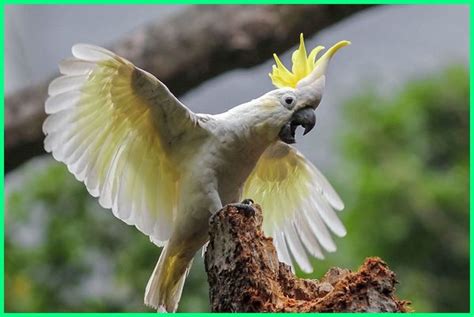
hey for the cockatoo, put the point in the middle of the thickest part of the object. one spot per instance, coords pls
(166, 170)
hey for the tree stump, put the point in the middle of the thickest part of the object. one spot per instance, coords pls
(245, 275)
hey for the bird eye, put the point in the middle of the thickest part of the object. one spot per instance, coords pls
(288, 100)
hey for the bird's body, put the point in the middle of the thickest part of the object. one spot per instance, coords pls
(166, 170)
(220, 162)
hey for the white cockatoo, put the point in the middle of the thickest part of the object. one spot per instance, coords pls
(166, 170)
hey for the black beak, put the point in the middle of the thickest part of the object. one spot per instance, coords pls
(304, 117)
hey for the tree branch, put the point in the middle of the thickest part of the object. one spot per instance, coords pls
(184, 51)
(245, 275)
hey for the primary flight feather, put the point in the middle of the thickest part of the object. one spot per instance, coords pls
(166, 170)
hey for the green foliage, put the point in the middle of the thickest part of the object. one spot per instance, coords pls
(405, 185)
(65, 253)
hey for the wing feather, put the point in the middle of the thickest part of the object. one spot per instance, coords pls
(328, 191)
(296, 248)
(308, 237)
(108, 121)
(62, 101)
(298, 204)
(66, 83)
(74, 66)
(281, 248)
(318, 228)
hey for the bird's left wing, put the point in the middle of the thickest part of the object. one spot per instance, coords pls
(116, 127)
(298, 204)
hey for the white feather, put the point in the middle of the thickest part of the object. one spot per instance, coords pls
(73, 147)
(91, 53)
(327, 190)
(319, 229)
(307, 236)
(281, 248)
(113, 179)
(125, 185)
(92, 181)
(161, 230)
(66, 83)
(298, 199)
(329, 216)
(297, 248)
(74, 66)
(58, 121)
(62, 101)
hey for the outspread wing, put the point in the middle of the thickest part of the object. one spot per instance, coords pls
(115, 127)
(298, 204)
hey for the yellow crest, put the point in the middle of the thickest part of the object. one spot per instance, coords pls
(303, 64)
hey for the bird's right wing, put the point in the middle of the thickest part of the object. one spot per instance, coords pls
(116, 127)
(298, 204)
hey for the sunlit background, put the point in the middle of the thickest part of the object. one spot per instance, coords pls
(392, 137)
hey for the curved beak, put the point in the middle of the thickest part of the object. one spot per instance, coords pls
(304, 117)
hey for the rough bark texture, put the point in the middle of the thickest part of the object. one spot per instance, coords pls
(195, 45)
(245, 275)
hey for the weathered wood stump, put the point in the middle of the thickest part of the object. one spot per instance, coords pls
(245, 275)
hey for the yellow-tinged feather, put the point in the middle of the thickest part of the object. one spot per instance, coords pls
(297, 202)
(273, 177)
(302, 64)
(109, 140)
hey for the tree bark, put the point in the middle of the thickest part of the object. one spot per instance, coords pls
(245, 275)
(184, 51)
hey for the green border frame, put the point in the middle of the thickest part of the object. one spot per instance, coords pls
(140, 2)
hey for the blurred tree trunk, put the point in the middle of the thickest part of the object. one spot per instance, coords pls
(184, 51)
(245, 275)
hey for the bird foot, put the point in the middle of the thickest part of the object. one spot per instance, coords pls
(246, 207)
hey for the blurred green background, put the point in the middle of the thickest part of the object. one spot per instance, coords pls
(392, 137)
(405, 183)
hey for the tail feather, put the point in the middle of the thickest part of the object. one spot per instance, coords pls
(165, 285)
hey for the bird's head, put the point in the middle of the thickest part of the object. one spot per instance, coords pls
(299, 91)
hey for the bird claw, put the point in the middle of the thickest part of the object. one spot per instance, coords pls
(247, 201)
(246, 207)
